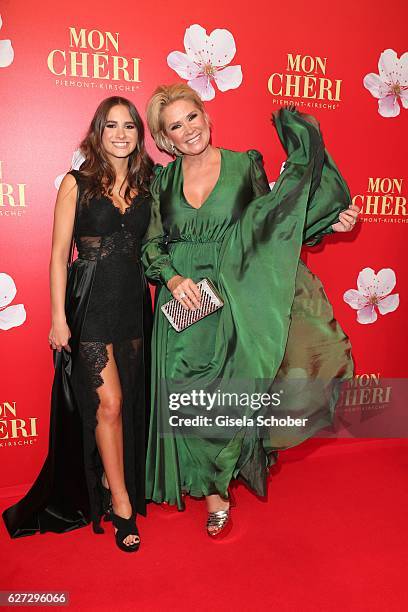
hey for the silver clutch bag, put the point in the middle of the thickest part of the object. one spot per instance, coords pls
(180, 318)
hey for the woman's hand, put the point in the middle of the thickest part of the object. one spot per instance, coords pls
(347, 219)
(185, 291)
(59, 336)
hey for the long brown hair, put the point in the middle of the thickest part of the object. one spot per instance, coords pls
(98, 173)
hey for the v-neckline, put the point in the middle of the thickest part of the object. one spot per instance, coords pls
(212, 190)
(122, 214)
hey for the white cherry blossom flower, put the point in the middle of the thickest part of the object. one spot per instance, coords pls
(206, 60)
(373, 292)
(76, 162)
(6, 50)
(391, 84)
(13, 316)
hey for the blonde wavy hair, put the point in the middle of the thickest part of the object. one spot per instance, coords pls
(162, 97)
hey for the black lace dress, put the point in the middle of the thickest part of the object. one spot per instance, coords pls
(107, 303)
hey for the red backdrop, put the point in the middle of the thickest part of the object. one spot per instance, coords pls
(45, 116)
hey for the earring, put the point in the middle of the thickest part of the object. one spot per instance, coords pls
(173, 149)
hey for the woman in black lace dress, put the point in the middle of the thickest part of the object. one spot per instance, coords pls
(101, 315)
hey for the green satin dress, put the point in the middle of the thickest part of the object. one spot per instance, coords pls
(276, 318)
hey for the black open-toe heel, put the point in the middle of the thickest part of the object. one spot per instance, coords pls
(106, 504)
(125, 528)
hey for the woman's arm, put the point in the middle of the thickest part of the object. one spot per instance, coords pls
(330, 208)
(259, 180)
(64, 216)
(156, 258)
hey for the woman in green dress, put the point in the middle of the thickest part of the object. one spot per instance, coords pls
(215, 217)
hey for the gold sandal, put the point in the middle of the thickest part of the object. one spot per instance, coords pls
(219, 523)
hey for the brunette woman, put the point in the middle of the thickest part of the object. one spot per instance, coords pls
(100, 326)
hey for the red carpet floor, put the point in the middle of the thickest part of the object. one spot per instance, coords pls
(333, 535)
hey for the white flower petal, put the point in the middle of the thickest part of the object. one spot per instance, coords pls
(355, 299)
(222, 47)
(8, 289)
(393, 69)
(387, 65)
(13, 316)
(228, 78)
(365, 281)
(202, 85)
(375, 85)
(185, 68)
(58, 180)
(367, 315)
(403, 60)
(389, 107)
(77, 160)
(196, 44)
(404, 98)
(6, 53)
(385, 282)
(388, 304)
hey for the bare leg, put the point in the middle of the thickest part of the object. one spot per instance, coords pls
(109, 439)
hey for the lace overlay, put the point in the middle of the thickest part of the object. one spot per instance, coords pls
(119, 243)
(95, 359)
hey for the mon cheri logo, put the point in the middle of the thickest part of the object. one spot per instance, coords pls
(364, 392)
(383, 202)
(305, 82)
(12, 197)
(89, 58)
(15, 431)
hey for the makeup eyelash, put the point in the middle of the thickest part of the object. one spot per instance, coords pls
(129, 126)
(193, 116)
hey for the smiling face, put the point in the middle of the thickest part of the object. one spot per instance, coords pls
(186, 127)
(119, 137)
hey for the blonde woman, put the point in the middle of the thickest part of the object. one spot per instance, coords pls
(214, 217)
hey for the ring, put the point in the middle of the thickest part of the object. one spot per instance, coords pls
(182, 295)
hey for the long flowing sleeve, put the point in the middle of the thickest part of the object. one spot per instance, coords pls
(155, 256)
(329, 194)
(329, 199)
(264, 246)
